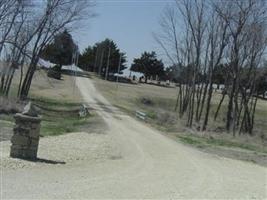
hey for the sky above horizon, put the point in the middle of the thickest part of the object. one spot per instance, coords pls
(129, 23)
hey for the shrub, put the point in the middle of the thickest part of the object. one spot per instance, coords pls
(165, 118)
(147, 101)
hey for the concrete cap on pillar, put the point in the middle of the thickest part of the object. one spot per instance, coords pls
(30, 110)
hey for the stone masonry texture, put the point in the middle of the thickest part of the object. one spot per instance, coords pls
(26, 135)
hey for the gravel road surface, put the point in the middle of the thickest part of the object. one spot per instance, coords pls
(131, 160)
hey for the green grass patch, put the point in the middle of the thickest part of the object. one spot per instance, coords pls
(63, 125)
(7, 118)
(190, 140)
(5, 123)
(203, 142)
(52, 103)
(152, 115)
(59, 117)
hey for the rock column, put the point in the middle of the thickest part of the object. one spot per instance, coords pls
(26, 134)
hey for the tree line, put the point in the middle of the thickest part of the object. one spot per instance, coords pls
(106, 58)
(26, 28)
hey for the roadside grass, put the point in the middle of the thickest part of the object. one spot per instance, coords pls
(7, 119)
(51, 104)
(59, 117)
(6, 122)
(160, 114)
(202, 142)
(57, 101)
(62, 126)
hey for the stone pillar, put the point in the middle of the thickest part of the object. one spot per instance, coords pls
(26, 134)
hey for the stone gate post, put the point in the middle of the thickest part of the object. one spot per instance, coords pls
(26, 135)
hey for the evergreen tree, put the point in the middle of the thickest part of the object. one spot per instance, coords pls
(149, 65)
(96, 58)
(60, 51)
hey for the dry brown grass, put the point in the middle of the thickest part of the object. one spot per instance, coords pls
(45, 87)
(10, 105)
(160, 111)
(58, 101)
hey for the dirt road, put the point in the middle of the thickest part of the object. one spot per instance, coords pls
(142, 163)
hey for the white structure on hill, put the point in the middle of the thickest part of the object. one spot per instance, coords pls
(47, 65)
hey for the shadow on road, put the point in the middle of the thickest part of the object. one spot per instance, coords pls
(46, 161)
(53, 162)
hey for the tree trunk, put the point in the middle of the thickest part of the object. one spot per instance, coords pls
(28, 80)
(20, 80)
(203, 101)
(208, 106)
(2, 84)
(229, 117)
(177, 101)
(9, 82)
(145, 79)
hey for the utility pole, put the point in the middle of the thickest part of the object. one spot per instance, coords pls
(95, 60)
(75, 61)
(101, 63)
(77, 57)
(107, 68)
(119, 67)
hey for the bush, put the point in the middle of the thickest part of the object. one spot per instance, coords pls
(54, 72)
(165, 118)
(147, 101)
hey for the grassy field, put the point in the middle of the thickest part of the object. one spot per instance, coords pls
(159, 103)
(58, 102)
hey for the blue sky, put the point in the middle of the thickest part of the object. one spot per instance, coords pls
(129, 23)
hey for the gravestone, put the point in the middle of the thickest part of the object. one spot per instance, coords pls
(25, 139)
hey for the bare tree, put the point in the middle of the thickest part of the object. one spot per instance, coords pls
(9, 10)
(185, 48)
(245, 21)
(218, 37)
(56, 16)
(211, 34)
(12, 23)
